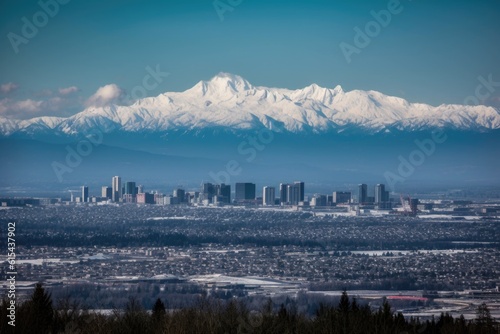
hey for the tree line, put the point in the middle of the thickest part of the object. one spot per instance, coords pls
(40, 315)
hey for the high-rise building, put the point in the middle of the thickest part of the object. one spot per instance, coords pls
(362, 193)
(268, 195)
(319, 200)
(341, 197)
(130, 188)
(283, 193)
(180, 194)
(107, 192)
(145, 198)
(223, 193)
(207, 191)
(300, 186)
(140, 189)
(117, 188)
(379, 193)
(85, 194)
(329, 200)
(245, 191)
(293, 194)
(192, 197)
(414, 205)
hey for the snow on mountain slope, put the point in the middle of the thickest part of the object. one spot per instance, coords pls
(232, 102)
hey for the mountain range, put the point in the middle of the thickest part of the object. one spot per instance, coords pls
(230, 102)
(319, 135)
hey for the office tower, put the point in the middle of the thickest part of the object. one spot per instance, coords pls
(362, 193)
(283, 193)
(140, 189)
(414, 205)
(293, 194)
(245, 191)
(192, 197)
(268, 195)
(160, 199)
(171, 200)
(180, 194)
(207, 191)
(300, 186)
(107, 192)
(130, 188)
(380, 193)
(145, 198)
(223, 192)
(208, 188)
(341, 197)
(85, 194)
(319, 200)
(117, 188)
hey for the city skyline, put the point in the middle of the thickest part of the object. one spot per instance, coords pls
(290, 194)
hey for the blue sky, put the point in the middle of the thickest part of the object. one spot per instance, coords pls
(430, 51)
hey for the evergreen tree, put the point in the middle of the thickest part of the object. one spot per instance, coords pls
(158, 309)
(484, 320)
(38, 312)
(354, 305)
(158, 316)
(344, 304)
(344, 308)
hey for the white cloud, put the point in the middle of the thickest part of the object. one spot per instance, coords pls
(68, 90)
(8, 87)
(32, 108)
(105, 95)
(4, 106)
(9, 107)
(29, 105)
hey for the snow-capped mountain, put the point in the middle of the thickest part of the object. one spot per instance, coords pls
(231, 102)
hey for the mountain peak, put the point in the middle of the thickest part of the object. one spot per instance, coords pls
(225, 80)
(222, 85)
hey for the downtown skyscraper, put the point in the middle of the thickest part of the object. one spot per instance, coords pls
(117, 188)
